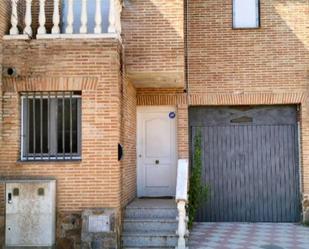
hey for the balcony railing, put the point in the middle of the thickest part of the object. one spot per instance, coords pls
(77, 18)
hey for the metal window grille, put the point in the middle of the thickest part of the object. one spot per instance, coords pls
(51, 126)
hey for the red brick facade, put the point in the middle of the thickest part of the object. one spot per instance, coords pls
(93, 67)
(266, 66)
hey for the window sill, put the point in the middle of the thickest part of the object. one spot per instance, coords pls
(253, 28)
(73, 161)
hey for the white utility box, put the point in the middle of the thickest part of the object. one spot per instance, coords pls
(30, 213)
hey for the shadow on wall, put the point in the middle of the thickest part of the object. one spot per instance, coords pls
(294, 22)
(154, 40)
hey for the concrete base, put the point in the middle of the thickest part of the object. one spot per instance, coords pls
(69, 231)
(99, 229)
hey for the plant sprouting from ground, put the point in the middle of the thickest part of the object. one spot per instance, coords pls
(198, 192)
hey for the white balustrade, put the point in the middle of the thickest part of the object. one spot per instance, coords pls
(28, 19)
(113, 25)
(83, 18)
(14, 18)
(70, 18)
(98, 18)
(181, 200)
(42, 18)
(56, 18)
(118, 16)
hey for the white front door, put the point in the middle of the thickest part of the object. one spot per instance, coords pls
(156, 151)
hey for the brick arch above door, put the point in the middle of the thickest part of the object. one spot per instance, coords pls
(254, 98)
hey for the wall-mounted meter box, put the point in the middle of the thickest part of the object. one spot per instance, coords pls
(30, 213)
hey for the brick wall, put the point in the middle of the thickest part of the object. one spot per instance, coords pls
(154, 43)
(91, 66)
(273, 58)
(128, 140)
(83, 184)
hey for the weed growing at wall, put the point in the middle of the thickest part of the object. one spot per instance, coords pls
(198, 192)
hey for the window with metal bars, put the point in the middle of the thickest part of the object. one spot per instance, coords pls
(51, 126)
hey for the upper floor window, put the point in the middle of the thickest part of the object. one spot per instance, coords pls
(246, 13)
(51, 126)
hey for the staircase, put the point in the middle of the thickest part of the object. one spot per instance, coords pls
(150, 223)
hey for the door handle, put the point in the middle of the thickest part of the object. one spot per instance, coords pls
(10, 198)
(157, 162)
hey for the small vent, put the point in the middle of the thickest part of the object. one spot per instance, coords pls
(243, 119)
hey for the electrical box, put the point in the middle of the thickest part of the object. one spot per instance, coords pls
(30, 213)
(99, 223)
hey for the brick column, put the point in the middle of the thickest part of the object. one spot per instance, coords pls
(183, 131)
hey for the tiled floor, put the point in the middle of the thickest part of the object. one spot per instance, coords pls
(249, 236)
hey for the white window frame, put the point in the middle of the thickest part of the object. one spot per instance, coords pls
(257, 23)
(59, 156)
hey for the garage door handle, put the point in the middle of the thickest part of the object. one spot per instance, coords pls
(157, 162)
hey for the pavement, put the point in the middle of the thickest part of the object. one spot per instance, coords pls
(249, 236)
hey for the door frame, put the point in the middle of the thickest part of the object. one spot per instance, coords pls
(148, 109)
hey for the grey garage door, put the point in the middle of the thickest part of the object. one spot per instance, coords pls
(250, 162)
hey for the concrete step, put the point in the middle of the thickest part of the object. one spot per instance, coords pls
(166, 213)
(148, 239)
(149, 247)
(158, 224)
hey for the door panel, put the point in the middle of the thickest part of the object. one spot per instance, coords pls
(250, 164)
(156, 151)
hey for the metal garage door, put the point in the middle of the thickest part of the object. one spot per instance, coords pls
(250, 161)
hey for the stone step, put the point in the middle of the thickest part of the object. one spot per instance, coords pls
(157, 224)
(166, 213)
(149, 247)
(148, 239)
